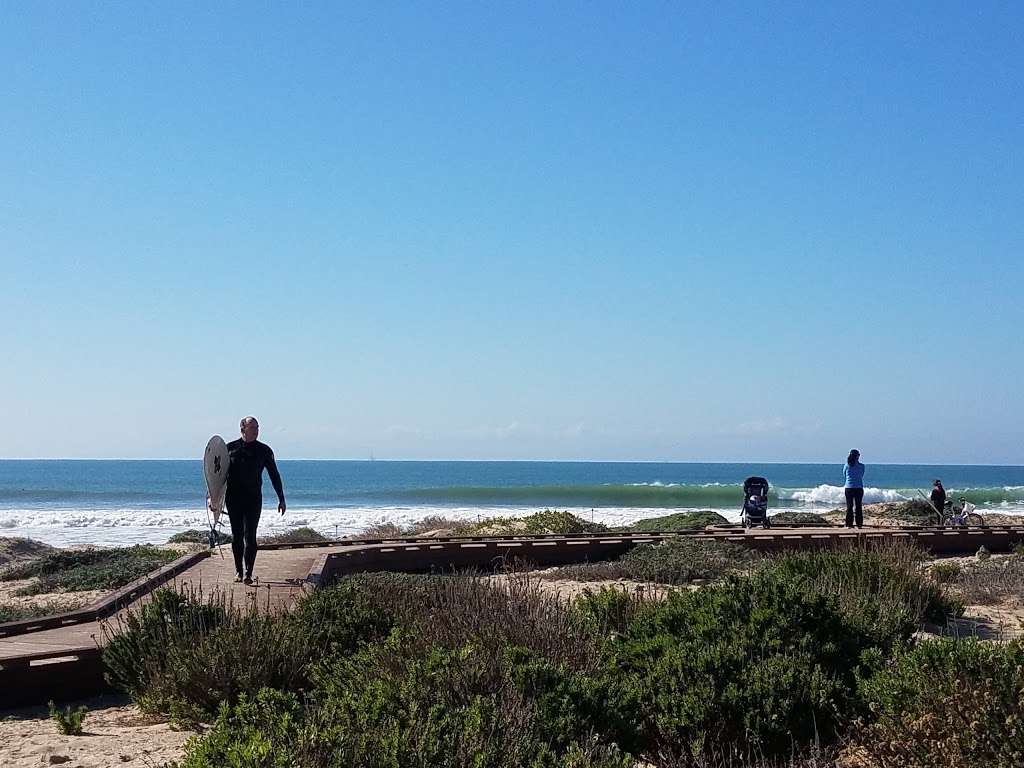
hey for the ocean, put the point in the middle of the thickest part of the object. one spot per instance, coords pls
(129, 502)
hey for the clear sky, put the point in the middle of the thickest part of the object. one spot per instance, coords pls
(637, 231)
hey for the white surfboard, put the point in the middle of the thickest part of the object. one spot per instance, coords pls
(215, 467)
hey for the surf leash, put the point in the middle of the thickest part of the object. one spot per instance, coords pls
(212, 537)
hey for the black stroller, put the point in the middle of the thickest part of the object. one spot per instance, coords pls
(755, 503)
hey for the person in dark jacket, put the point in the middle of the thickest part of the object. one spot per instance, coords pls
(247, 458)
(938, 498)
(853, 475)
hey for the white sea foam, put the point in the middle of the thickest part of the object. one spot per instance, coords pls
(122, 527)
(836, 495)
(126, 526)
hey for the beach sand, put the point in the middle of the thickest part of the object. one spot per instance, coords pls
(115, 733)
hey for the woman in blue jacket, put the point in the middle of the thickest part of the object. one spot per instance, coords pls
(853, 473)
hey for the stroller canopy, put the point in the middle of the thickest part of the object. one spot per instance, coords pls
(756, 485)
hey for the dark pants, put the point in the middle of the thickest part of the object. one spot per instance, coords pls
(244, 517)
(854, 497)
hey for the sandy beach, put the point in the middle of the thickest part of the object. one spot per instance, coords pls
(115, 733)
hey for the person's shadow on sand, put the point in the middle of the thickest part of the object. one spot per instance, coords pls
(987, 625)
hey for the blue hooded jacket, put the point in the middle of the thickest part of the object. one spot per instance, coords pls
(854, 475)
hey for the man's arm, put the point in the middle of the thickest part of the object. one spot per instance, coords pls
(275, 480)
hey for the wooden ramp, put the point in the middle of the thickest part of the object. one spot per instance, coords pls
(64, 661)
(286, 572)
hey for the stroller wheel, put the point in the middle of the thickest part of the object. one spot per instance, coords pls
(767, 523)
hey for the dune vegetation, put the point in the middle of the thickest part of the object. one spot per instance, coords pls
(803, 660)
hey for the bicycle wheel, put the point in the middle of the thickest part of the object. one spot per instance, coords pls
(973, 518)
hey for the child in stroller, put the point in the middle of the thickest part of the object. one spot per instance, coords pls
(755, 503)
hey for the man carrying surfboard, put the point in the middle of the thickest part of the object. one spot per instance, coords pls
(247, 458)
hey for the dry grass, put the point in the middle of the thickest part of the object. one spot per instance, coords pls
(992, 581)
(384, 529)
(516, 611)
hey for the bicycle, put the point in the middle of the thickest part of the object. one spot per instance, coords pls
(955, 517)
(960, 516)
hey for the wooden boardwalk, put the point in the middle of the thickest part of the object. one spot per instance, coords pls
(285, 572)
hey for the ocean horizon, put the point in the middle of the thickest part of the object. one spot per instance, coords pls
(115, 502)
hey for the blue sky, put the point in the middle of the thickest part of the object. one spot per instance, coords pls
(548, 231)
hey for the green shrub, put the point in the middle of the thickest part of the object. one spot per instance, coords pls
(608, 609)
(946, 704)
(17, 612)
(555, 521)
(382, 529)
(944, 573)
(547, 521)
(195, 536)
(295, 536)
(438, 522)
(800, 518)
(340, 617)
(69, 722)
(675, 561)
(260, 731)
(397, 705)
(678, 561)
(677, 522)
(451, 611)
(393, 704)
(79, 570)
(913, 511)
(882, 591)
(752, 666)
(184, 654)
(141, 656)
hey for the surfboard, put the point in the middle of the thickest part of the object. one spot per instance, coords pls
(215, 467)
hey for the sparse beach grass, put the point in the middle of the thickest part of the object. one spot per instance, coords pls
(77, 570)
(989, 581)
(17, 611)
(15, 549)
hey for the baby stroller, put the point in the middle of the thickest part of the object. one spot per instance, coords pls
(755, 503)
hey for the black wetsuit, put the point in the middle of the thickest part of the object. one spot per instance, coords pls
(246, 462)
(938, 499)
